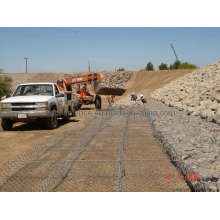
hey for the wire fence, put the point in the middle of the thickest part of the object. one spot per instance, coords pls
(107, 155)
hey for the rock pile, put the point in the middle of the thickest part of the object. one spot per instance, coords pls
(198, 93)
(114, 83)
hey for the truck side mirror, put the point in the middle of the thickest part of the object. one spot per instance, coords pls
(7, 96)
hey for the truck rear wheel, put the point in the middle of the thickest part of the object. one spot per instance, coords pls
(7, 124)
(74, 112)
(98, 102)
(67, 116)
(79, 106)
(52, 122)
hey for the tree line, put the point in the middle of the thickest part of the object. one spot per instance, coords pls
(176, 65)
(163, 66)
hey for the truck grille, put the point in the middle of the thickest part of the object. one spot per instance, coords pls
(30, 106)
(23, 104)
(22, 109)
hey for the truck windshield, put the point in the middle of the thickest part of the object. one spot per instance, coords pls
(28, 90)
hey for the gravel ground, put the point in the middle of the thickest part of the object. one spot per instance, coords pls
(191, 142)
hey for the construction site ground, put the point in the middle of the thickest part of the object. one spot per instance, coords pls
(113, 150)
(109, 151)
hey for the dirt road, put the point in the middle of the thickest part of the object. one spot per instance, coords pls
(22, 136)
(112, 151)
(14, 142)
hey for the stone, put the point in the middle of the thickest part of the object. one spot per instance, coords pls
(199, 89)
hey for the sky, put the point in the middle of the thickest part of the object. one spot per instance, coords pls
(69, 49)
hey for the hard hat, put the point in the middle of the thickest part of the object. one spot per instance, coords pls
(141, 95)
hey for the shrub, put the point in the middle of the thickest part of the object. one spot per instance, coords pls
(5, 86)
(187, 66)
(120, 69)
(178, 65)
(149, 66)
(163, 66)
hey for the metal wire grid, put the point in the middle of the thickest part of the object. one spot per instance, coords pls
(74, 174)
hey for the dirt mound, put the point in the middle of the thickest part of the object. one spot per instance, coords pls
(19, 78)
(198, 93)
(112, 79)
(146, 82)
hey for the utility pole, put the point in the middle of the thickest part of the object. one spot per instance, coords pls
(174, 52)
(26, 59)
(89, 66)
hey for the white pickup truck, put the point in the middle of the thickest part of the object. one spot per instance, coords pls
(36, 101)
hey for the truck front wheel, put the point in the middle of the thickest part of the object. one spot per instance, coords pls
(52, 122)
(98, 102)
(7, 124)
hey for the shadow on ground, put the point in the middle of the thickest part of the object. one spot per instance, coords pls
(35, 126)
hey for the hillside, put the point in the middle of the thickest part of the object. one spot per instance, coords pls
(146, 82)
(198, 93)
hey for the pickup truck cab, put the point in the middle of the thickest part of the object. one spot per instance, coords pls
(36, 101)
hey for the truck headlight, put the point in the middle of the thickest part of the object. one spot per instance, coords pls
(41, 106)
(5, 106)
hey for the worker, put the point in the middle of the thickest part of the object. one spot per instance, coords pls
(110, 99)
(113, 98)
(143, 99)
(133, 97)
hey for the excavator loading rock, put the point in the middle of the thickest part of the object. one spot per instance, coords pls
(88, 88)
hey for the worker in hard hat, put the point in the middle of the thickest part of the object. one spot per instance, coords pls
(143, 99)
(133, 97)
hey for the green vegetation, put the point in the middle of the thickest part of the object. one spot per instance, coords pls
(5, 86)
(187, 66)
(178, 65)
(149, 66)
(175, 65)
(163, 66)
(120, 69)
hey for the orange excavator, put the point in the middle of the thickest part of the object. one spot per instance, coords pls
(88, 89)
(84, 87)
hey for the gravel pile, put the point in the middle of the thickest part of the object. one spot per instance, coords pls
(116, 80)
(191, 142)
(114, 83)
(198, 93)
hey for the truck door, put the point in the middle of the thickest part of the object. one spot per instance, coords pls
(60, 101)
